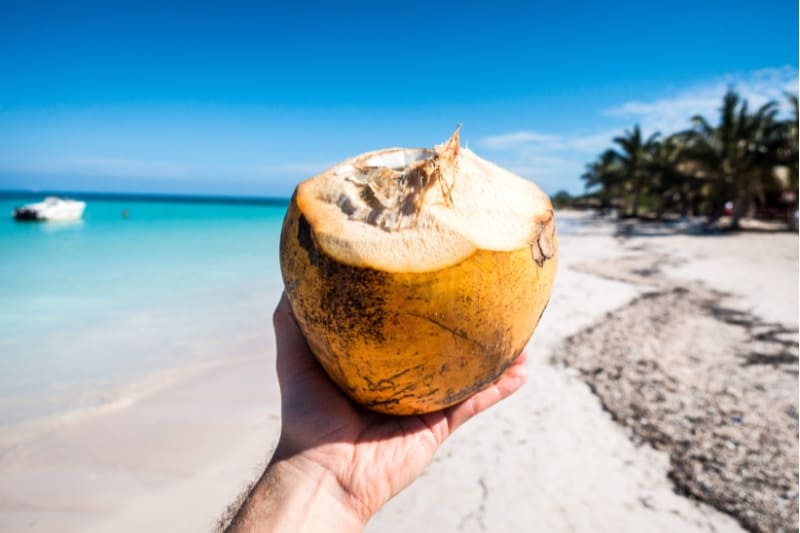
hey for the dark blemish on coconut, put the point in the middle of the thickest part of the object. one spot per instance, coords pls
(305, 239)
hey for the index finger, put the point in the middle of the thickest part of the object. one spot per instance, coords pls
(507, 384)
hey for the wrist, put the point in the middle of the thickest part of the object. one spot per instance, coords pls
(296, 494)
(317, 492)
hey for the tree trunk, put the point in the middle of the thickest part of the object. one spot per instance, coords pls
(635, 207)
(661, 207)
(740, 208)
(685, 204)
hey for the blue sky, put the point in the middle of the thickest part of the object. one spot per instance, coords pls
(237, 98)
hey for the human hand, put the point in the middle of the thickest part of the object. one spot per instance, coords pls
(352, 459)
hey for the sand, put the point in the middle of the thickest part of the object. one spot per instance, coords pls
(712, 385)
(550, 458)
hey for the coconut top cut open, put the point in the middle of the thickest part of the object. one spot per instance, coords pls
(421, 210)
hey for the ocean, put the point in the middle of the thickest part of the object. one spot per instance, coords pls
(138, 291)
(141, 291)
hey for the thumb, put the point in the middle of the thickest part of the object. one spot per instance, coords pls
(292, 354)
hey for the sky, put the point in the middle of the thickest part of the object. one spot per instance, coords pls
(240, 98)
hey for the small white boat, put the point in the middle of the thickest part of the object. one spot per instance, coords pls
(51, 208)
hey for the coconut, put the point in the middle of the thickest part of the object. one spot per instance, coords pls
(417, 275)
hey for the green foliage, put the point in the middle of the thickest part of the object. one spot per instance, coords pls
(562, 199)
(697, 171)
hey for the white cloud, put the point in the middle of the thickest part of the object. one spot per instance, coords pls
(518, 139)
(532, 142)
(553, 161)
(551, 173)
(595, 142)
(673, 112)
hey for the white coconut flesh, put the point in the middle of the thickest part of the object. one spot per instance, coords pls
(420, 210)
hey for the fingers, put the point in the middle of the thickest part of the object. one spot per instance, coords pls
(521, 359)
(509, 382)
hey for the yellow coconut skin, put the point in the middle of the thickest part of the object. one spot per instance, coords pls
(411, 343)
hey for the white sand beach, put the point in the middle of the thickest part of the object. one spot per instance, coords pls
(550, 458)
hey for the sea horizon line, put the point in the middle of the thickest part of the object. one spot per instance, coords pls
(27, 194)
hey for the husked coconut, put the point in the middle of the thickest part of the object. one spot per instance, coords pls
(417, 275)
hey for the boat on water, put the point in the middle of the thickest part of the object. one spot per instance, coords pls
(51, 209)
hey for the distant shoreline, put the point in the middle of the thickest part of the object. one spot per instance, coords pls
(145, 197)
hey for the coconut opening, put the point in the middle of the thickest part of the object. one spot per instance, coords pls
(389, 190)
(417, 210)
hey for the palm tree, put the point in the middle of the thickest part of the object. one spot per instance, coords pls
(739, 154)
(634, 160)
(790, 141)
(604, 174)
(674, 187)
(738, 160)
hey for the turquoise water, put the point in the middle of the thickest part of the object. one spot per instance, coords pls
(89, 307)
(92, 308)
